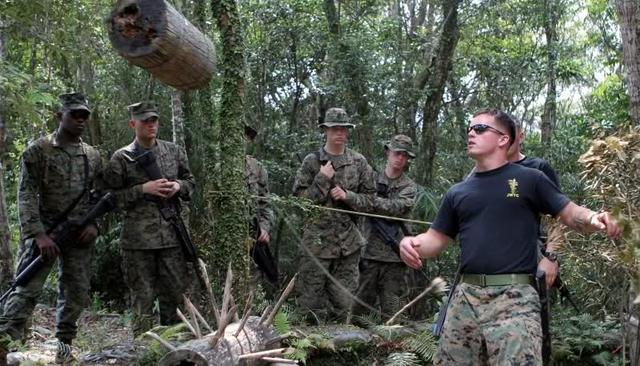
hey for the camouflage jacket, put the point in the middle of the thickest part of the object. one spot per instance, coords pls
(399, 201)
(143, 226)
(52, 177)
(256, 178)
(334, 234)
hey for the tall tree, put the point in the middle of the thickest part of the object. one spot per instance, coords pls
(438, 73)
(6, 259)
(551, 8)
(628, 11)
(232, 229)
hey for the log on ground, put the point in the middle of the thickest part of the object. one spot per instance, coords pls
(153, 35)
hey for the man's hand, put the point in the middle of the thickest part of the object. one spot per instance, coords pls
(327, 170)
(604, 222)
(263, 238)
(338, 193)
(550, 269)
(175, 188)
(88, 234)
(48, 248)
(408, 252)
(159, 187)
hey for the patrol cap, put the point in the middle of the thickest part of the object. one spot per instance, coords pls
(250, 132)
(143, 110)
(401, 143)
(74, 101)
(336, 117)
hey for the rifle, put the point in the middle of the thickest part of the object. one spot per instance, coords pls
(261, 255)
(170, 212)
(442, 313)
(60, 235)
(544, 316)
(564, 292)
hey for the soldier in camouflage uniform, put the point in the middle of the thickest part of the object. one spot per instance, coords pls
(494, 314)
(338, 177)
(153, 262)
(382, 273)
(57, 173)
(257, 182)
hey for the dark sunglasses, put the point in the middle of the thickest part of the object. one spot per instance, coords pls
(480, 128)
(79, 114)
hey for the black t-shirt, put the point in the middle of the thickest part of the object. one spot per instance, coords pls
(496, 215)
(541, 165)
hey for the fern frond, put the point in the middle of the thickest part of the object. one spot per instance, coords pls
(281, 322)
(402, 359)
(389, 332)
(423, 344)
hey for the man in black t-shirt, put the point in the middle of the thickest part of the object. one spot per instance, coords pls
(494, 315)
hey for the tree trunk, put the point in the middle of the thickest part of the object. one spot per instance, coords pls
(549, 116)
(6, 258)
(177, 118)
(438, 74)
(152, 34)
(232, 234)
(628, 11)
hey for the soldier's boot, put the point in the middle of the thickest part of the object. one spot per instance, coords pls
(64, 355)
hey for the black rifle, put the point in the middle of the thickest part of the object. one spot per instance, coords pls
(565, 294)
(170, 212)
(262, 256)
(61, 235)
(541, 285)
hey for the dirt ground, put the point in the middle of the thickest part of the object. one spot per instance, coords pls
(103, 339)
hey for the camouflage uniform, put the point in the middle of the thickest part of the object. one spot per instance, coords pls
(332, 239)
(484, 320)
(153, 262)
(382, 272)
(52, 177)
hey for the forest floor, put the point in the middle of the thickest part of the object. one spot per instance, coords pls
(103, 339)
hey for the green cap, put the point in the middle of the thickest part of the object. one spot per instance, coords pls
(74, 101)
(401, 143)
(143, 110)
(336, 117)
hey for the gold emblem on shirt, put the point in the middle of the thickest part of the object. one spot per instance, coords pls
(513, 189)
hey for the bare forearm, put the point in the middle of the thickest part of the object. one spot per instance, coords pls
(578, 218)
(431, 244)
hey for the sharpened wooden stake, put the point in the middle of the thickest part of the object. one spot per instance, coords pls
(166, 344)
(285, 361)
(246, 313)
(265, 313)
(190, 305)
(186, 321)
(192, 313)
(214, 306)
(226, 296)
(270, 352)
(436, 285)
(281, 300)
(221, 327)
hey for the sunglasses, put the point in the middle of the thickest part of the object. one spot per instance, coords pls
(480, 128)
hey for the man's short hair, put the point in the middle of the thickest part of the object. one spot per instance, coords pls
(504, 120)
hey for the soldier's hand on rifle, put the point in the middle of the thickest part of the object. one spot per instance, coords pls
(338, 193)
(264, 237)
(550, 269)
(327, 170)
(159, 187)
(47, 246)
(408, 252)
(88, 234)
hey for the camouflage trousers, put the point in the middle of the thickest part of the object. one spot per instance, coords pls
(320, 295)
(384, 282)
(494, 325)
(74, 278)
(151, 274)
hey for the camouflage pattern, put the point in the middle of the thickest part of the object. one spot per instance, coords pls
(143, 226)
(257, 181)
(52, 176)
(143, 110)
(494, 325)
(161, 272)
(74, 101)
(323, 299)
(401, 197)
(336, 117)
(332, 236)
(382, 283)
(152, 258)
(401, 143)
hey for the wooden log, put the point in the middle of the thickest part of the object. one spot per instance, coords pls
(227, 351)
(153, 35)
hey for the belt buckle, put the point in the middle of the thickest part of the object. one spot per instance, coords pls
(483, 280)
